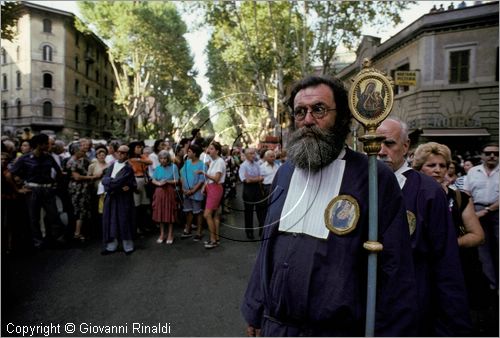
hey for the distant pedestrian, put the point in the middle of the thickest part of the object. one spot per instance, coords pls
(119, 212)
(268, 170)
(215, 177)
(35, 169)
(165, 178)
(140, 163)
(192, 184)
(253, 195)
(483, 184)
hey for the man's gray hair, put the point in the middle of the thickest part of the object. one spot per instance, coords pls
(404, 129)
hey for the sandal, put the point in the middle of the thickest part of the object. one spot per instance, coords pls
(211, 245)
(186, 234)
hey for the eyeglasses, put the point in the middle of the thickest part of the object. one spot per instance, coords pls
(491, 153)
(318, 111)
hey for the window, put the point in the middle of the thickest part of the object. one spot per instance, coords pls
(77, 61)
(4, 110)
(496, 70)
(18, 79)
(77, 112)
(18, 53)
(47, 109)
(47, 53)
(4, 56)
(77, 87)
(400, 89)
(47, 26)
(18, 106)
(4, 82)
(106, 78)
(97, 93)
(87, 90)
(459, 66)
(77, 39)
(47, 80)
(97, 76)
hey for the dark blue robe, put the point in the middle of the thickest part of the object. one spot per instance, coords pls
(442, 297)
(303, 285)
(119, 211)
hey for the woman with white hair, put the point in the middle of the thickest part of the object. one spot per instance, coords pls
(165, 178)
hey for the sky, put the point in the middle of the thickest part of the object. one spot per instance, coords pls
(198, 39)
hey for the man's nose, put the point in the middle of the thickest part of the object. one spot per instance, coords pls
(309, 119)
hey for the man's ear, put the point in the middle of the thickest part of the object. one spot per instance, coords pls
(406, 147)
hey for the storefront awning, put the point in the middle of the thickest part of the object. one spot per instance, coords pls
(455, 132)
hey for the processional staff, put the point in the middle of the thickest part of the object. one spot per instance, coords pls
(370, 100)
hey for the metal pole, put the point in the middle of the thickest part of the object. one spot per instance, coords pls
(371, 297)
(370, 118)
(371, 146)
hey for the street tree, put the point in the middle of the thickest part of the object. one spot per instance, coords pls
(11, 11)
(150, 58)
(264, 46)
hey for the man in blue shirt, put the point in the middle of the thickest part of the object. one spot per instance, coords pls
(35, 169)
(253, 196)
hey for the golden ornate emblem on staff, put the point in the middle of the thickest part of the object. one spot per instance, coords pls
(370, 100)
(370, 96)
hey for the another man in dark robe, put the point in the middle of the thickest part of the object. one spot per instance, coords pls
(310, 277)
(442, 298)
(118, 217)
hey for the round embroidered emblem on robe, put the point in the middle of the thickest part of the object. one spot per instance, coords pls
(342, 214)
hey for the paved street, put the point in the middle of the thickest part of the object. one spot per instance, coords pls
(197, 291)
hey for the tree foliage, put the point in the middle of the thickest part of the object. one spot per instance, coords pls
(262, 47)
(150, 59)
(11, 12)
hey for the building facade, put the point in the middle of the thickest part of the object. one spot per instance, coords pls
(450, 58)
(55, 78)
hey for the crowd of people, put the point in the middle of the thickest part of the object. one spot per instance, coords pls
(438, 270)
(119, 191)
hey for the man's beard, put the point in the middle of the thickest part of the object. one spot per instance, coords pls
(312, 148)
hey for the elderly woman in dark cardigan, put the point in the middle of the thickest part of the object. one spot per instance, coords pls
(118, 217)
